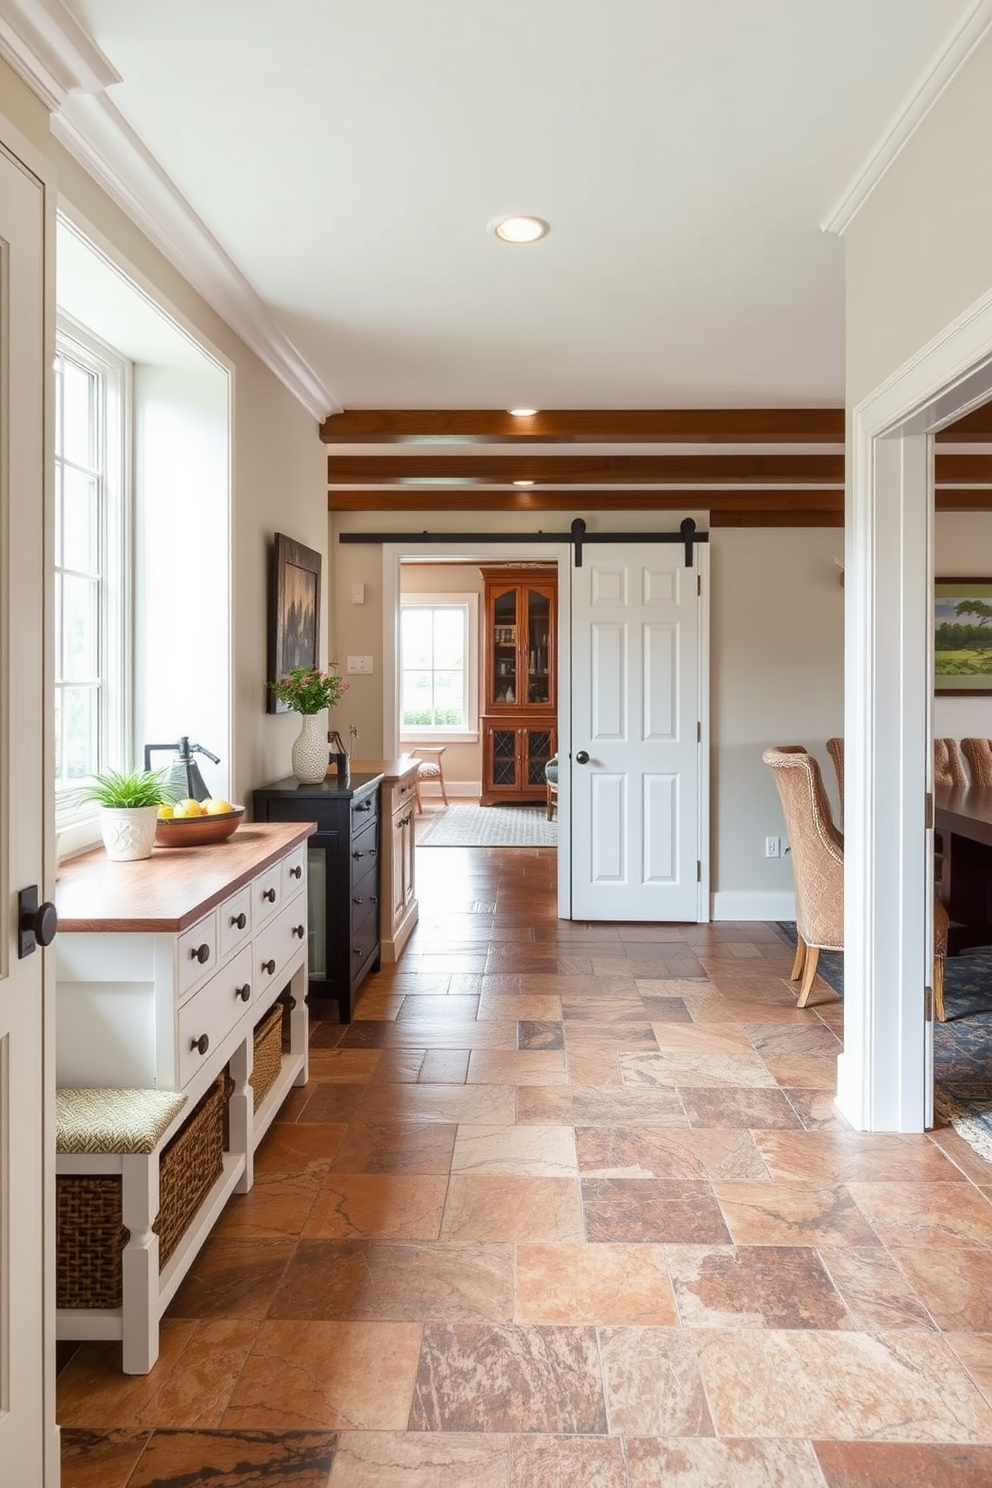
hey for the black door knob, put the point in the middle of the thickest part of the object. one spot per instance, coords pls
(36, 923)
(582, 758)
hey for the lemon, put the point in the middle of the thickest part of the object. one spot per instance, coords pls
(165, 812)
(186, 807)
(216, 806)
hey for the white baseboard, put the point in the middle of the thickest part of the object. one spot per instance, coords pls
(734, 904)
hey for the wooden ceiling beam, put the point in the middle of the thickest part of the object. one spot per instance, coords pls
(974, 428)
(795, 518)
(584, 425)
(577, 502)
(348, 470)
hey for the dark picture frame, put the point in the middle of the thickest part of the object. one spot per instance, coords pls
(294, 612)
(962, 637)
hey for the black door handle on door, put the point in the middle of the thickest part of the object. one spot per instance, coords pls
(582, 758)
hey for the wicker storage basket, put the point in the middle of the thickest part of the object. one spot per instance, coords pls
(90, 1238)
(268, 1053)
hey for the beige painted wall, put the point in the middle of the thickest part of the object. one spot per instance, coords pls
(24, 109)
(279, 477)
(462, 762)
(919, 251)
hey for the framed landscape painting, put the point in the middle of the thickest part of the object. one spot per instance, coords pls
(294, 611)
(962, 641)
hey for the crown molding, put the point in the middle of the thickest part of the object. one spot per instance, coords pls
(46, 46)
(96, 134)
(61, 63)
(942, 71)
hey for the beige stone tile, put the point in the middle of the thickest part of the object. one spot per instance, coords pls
(517, 1067)
(707, 1463)
(829, 1386)
(520, 1006)
(926, 1216)
(653, 1383)
(426, 1459)
(602, 1284)
(841, 1157)
(954, 1284)
(523, 1151)
(395, 1206)
(792, 1214)
(564, 1461)
(647, 1152)
(510, 1208)
(347, 1374)
(488, 1104)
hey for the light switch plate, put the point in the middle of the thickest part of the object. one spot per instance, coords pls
(358, 593)
(360, 665)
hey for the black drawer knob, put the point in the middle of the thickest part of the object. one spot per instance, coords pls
(357, 901)
(239, 920)
(373, 898)
(365, 806)
(296, 872)
(269, 966)
(200, 953)
(201, 1044)
(299, 930)
(270, 895)
(244, 993)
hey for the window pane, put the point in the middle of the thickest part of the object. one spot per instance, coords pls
(449, 699)
(79, 390)
(79, 743)
(416, 636)
(418, 700)
(449, 638)
(58, 408)
(80, 522)
(79, 629)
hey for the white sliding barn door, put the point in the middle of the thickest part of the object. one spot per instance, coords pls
(27, 1435)
(637, 802)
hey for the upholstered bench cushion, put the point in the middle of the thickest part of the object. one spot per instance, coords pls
(429, 770)
(124, 1121)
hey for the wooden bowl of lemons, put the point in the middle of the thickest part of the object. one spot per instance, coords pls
(192, 823)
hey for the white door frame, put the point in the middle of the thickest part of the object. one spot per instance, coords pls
(885, 1074)
(393, 555)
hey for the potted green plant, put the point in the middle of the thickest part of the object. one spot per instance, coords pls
(309, 691)
(129, 800)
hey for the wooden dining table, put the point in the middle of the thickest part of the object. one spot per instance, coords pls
(963, 821)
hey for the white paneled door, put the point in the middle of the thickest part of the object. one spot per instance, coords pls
(26, 1434)
(637, 776)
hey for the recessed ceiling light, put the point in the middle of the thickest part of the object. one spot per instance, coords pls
(521, 229)
(522, 412)
(523, 483)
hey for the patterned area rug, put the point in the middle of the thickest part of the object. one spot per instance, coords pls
(490, 826)
(962, 1046)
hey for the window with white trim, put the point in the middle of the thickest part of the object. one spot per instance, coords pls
(91, 577)
(439, 666)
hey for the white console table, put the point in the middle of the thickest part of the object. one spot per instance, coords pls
(163, 969)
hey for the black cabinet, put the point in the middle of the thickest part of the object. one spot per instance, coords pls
(343, 879)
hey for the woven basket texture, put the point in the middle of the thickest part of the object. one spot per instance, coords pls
(268, 1053)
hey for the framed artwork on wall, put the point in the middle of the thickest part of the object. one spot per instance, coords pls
(294, 612)
(962, 641)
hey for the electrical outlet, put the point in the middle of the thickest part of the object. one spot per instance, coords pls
(773, 847)
(360, 665)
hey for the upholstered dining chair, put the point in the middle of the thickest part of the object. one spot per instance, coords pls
(948, 761)
(429, 769)
(978, 753)
(835, 749)
(817, 849)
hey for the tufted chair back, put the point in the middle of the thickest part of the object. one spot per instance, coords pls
(948, 763)
(835, 749)
(816, 845)
(978, 753)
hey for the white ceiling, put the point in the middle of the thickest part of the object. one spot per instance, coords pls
(349, 157)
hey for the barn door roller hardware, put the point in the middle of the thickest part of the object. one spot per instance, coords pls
(576, 535)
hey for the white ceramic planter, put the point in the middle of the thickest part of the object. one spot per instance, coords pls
(310, 754)
(128, 831)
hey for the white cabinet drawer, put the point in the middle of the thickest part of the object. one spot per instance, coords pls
(267, 893)
(294, 873)
(278, 943)
(196, 953)
(235, 921)
(208, 1017)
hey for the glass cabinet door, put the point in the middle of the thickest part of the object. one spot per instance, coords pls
(317, 913)
(504, 680)
(539, 746)
(538, 642)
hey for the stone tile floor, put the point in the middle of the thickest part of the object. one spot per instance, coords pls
(569, 1203)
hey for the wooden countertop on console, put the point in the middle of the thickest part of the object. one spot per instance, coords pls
(391, 770)
(175, 886)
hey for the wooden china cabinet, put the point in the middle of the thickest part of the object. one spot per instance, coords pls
(519, 655)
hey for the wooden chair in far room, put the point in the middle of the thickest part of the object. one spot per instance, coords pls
(551, 781)
(948, 769)
(817, 849)
(978, 753)
(835, 749)
(429, 769)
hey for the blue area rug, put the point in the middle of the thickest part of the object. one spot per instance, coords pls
(962, 1046)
